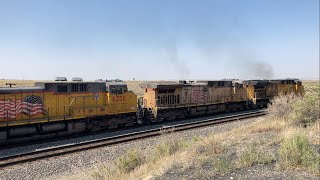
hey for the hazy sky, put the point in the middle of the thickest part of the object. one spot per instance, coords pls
(159, 39)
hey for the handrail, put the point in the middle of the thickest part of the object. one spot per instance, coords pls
(72, 102)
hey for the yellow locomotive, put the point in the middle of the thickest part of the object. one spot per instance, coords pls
(57, 108)
(65, 107)
(261, 91)
(166, 101)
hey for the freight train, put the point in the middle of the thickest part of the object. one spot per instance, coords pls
(61, 107)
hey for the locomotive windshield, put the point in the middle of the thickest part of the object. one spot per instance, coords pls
(117, 87)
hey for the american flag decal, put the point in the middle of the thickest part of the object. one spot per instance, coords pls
(31, 105)
(199, 95)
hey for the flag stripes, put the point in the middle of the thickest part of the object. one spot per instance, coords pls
(31, 105)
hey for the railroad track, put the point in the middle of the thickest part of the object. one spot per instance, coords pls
(87, 145)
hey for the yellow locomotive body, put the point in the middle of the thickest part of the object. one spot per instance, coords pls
(261, 91)
(165, 101)
(192, 94)
(190, 98)
(58, 101)
(67, 106)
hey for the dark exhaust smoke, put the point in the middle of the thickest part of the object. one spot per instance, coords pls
(171, 51)
(262, 70)
(249, 64)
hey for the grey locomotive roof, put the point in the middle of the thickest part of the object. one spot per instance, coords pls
(222, 80)
(44, 83)
(182, 83)
(68, 82)
(210, 81)
(285, 79)
(19, 89)
(115, 83)
(162, 85)
(271, 81)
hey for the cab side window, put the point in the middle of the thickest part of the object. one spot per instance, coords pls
(117, 89)
(74, 87)
(83, 87)
(62, 89)
(221, 83)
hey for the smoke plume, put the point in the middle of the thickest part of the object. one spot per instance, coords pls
(249, 65)
(171, 51)
(262, 70)
(257, 70)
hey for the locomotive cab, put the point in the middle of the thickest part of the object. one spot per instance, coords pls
(257, 91)
(119, 99)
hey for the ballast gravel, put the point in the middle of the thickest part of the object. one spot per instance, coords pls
(53, 168)
(83, 138)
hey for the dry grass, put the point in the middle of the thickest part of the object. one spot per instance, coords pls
(168, 147)
(282, 106)
(296, 151)
(282, 140)
(149, 170)
(268, 124)
(222, 165)
(18, 83)
(253, 155)
(313, 133)
(130, 160)
(208, 151)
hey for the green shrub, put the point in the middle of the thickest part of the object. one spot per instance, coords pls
(165, 149)
(170, 147)
(282, 106)
(130, 160)
(252, 156)
(297, 152)
(196, 138)
(202, 161)
(221, 165)
(299, 109)
(210, 148)
(307, 109)
(104, 172)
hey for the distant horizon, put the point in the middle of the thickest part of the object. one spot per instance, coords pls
(69, 79)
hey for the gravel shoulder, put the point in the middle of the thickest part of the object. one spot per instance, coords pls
(82, 138)
(55, 168)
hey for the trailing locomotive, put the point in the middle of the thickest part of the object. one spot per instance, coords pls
(167, 101)
(57, 108)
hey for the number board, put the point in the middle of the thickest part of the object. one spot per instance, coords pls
(118, 99)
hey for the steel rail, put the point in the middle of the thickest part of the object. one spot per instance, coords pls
(87, 145)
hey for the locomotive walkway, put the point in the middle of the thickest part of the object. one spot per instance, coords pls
(78, 147)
